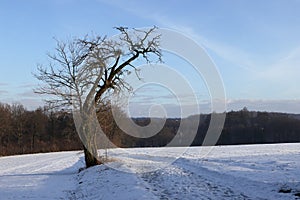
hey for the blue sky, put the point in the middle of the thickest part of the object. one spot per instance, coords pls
(254, 44)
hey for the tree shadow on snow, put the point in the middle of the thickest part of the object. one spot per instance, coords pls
(41, 184)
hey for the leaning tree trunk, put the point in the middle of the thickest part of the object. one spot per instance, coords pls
(90, 153)
(88, 137)
(90, 158)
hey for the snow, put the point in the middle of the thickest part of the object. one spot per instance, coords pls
(221, 172)
(38, 176)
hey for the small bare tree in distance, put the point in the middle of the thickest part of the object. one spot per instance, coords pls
(83, 71)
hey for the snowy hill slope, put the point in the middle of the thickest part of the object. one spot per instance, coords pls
(227, 172)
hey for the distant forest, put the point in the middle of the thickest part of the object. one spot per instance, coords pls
(43, 130)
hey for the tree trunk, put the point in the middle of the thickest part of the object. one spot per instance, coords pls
(91, 157)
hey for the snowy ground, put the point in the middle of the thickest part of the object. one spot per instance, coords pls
(227, 172)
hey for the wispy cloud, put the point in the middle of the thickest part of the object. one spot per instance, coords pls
(282, 76)
(167, 110)
(273, 75)
(228, 52)
(22, 93)
(148, 11)
(289, 106)
(26, 91)
(28, 85)
(3, 84)
(283, 68)
(31, 103)
(2, 92)
(281, 73)
(174, 110)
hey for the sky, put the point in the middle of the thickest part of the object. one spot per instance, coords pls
(255, 45)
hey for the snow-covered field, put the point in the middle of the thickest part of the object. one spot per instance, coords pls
(227, 172)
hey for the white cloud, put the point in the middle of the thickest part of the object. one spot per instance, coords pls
(3, 84)
(283, 75)
(2, 92)
(289, 106)
(22, 93)
(173, 110)
(270, 77)
(285, 68)
(230, 53)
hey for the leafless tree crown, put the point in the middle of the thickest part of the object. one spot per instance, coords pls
(90, 66)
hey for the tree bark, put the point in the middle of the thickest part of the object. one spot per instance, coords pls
(89, 143)
(90, 158)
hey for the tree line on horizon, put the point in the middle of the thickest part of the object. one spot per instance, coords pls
(44, 130)
(41, 130)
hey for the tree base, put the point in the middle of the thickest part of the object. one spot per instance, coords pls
(90, 159)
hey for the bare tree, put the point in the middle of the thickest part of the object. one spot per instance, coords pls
(83, 71)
